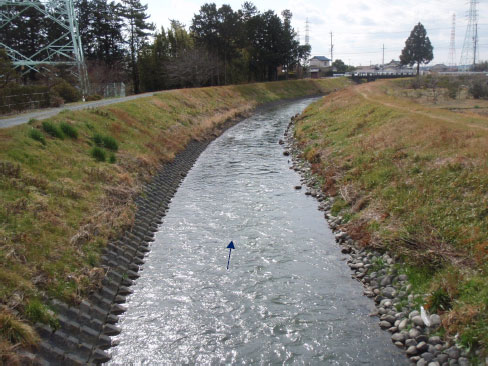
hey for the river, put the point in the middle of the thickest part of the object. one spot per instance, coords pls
(288, 296)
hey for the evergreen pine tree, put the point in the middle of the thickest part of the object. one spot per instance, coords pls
(418, 48)
(137, 29)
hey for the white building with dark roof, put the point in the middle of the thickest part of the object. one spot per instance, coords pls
(318, 62)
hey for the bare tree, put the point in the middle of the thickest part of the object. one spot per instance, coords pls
(193, 67)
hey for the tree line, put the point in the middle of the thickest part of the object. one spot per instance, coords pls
(220, 46)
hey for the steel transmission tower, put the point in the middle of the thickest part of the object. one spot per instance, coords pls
(66, 49)
(307, 32)
(452, 44)
(470, 51)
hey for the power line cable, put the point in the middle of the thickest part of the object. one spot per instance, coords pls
(396, 32)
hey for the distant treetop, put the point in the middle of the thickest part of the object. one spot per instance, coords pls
(418, 48)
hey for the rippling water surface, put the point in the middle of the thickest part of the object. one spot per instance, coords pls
(287, 298)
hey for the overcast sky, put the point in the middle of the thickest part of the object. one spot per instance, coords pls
(359, 27)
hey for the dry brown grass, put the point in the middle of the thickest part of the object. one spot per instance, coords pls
(358, 230)
(454, 321)
(115, 212)
(16, 331)
(117, 129)
(160, 104)
(128, 120)
(8, 356)
(213, 122)
(411, 178)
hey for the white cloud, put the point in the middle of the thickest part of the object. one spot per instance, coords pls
(360, 27)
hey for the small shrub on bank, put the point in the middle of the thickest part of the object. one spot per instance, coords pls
(110, 143)
(98, 154)
(52, 129)
(479, 89)
(98, 139)
(66, 91)
(105, 141)
(112, 158)
(56, 101)
(37, 135)
(439, 300)
(69, 130)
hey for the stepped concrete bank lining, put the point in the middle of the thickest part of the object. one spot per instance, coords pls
(84, 331)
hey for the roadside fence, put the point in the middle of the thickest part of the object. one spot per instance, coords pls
(23, 101)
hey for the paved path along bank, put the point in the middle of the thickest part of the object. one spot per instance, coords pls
(20, 119)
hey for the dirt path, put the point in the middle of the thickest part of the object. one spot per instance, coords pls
(366, 90)
(46, 113)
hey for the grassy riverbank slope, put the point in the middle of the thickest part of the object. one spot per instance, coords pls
(60, 205)
(412, 178)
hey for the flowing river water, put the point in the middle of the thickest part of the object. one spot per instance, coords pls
(288, 296)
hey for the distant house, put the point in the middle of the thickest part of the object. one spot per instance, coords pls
(395, 66)
(439, 68)
(318, 62)
(319, 65)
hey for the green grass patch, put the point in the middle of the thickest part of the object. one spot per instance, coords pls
(338, 205)
(105, 141)
(37, 312)
(37, 135)
(110, 143)
(440, 301)
(98, 154)
(98, 139)
(69, 130)
(52, 129)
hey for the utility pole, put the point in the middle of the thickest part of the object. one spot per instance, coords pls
(331, 50)
(452, 44)
(307, 32)
(383, 63)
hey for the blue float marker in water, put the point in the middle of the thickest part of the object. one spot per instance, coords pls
(230, 247)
